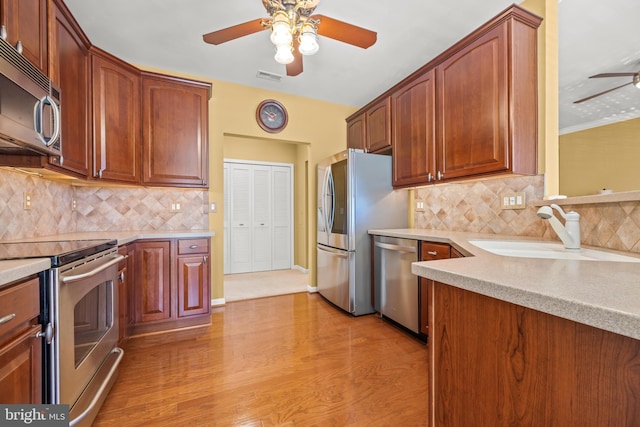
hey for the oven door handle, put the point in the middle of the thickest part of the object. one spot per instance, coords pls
(69, 279)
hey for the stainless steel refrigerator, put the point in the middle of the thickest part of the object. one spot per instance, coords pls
(354, 195)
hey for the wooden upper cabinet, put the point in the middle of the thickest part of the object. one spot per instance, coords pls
(175, 131)
(473, 106)
(69, 68)
(116, 119)
(414, 135)
(26, 22)
(370, 129)
(378, 126)
(356, 131)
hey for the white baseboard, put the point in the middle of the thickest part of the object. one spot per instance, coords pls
(302, 269)
(312, 289)
(217, 301)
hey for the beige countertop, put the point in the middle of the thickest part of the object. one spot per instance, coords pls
(602, 294)
(13, 270)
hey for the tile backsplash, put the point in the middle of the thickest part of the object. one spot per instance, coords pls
(97, 208)
(475, 207)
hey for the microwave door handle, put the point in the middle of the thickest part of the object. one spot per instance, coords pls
(38, 117)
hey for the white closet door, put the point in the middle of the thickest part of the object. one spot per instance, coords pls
(226, 227)
(282, 218)
(240, 218)
(261, 218)
(258, 219)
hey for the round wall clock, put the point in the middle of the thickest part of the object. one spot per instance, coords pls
(271, 116)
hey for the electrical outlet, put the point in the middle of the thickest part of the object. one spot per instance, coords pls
(419, 206)
(175, 207)
(26, 201)
(213, 207)
(513, 201)
(74, 205)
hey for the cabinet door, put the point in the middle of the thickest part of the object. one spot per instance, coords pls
(26, 22)
(356, 132)
(473, 107)
(153, 284)
(116, 120)
(193, 285)
(69, 69)
(378, 126)
(414, 134)
(21, 369)
(175, 131)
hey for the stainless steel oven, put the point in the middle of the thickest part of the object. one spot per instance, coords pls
(85, 357)
(79, 312)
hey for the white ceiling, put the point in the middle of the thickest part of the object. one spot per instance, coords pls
(594, 37)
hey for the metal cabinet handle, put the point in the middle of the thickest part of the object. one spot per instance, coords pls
(440, 176)
(121, 276)
(6, 319)
(432, 253)
(429, 177)
(193, 247)
(99, 174)
(19, 47)
(3, 32)
(205, 258)
(47, 334)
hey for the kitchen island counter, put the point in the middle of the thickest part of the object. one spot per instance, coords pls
(602, 294)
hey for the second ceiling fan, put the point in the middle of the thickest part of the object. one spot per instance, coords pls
(294, 31)
(634, 81)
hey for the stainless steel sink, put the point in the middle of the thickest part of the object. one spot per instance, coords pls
(531, 249)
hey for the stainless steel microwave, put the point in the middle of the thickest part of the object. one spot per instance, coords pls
(29, 107)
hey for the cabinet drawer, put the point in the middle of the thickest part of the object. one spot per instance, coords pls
(431, 251)
(19, 304)
(193, 246)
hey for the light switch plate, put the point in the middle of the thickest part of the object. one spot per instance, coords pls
(513, 201)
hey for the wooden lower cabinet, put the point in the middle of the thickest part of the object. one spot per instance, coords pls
(20, 347)
(496, 363)
(172, 284)
(429, 251)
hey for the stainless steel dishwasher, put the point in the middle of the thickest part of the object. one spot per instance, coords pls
(396, 286)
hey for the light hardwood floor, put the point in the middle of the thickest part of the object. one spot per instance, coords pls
(291, 360)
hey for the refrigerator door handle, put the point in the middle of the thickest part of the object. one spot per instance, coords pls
(331, 184)
(340, 254)
(325, 188)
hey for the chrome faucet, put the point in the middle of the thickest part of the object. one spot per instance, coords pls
(570, 232)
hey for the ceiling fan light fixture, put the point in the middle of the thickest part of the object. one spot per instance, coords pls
(284, 54)
(280, 29)
(308, 40)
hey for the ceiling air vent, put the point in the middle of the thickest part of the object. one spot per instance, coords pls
(269, 76)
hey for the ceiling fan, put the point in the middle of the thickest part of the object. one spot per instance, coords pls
(295, 30)
(634, 81)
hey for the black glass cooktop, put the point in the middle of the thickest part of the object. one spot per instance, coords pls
(60, 252)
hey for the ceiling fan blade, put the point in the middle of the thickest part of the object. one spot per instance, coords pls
(295, 68)
(613, 75)
(347, 33)
(237, 31)
(601, 93)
